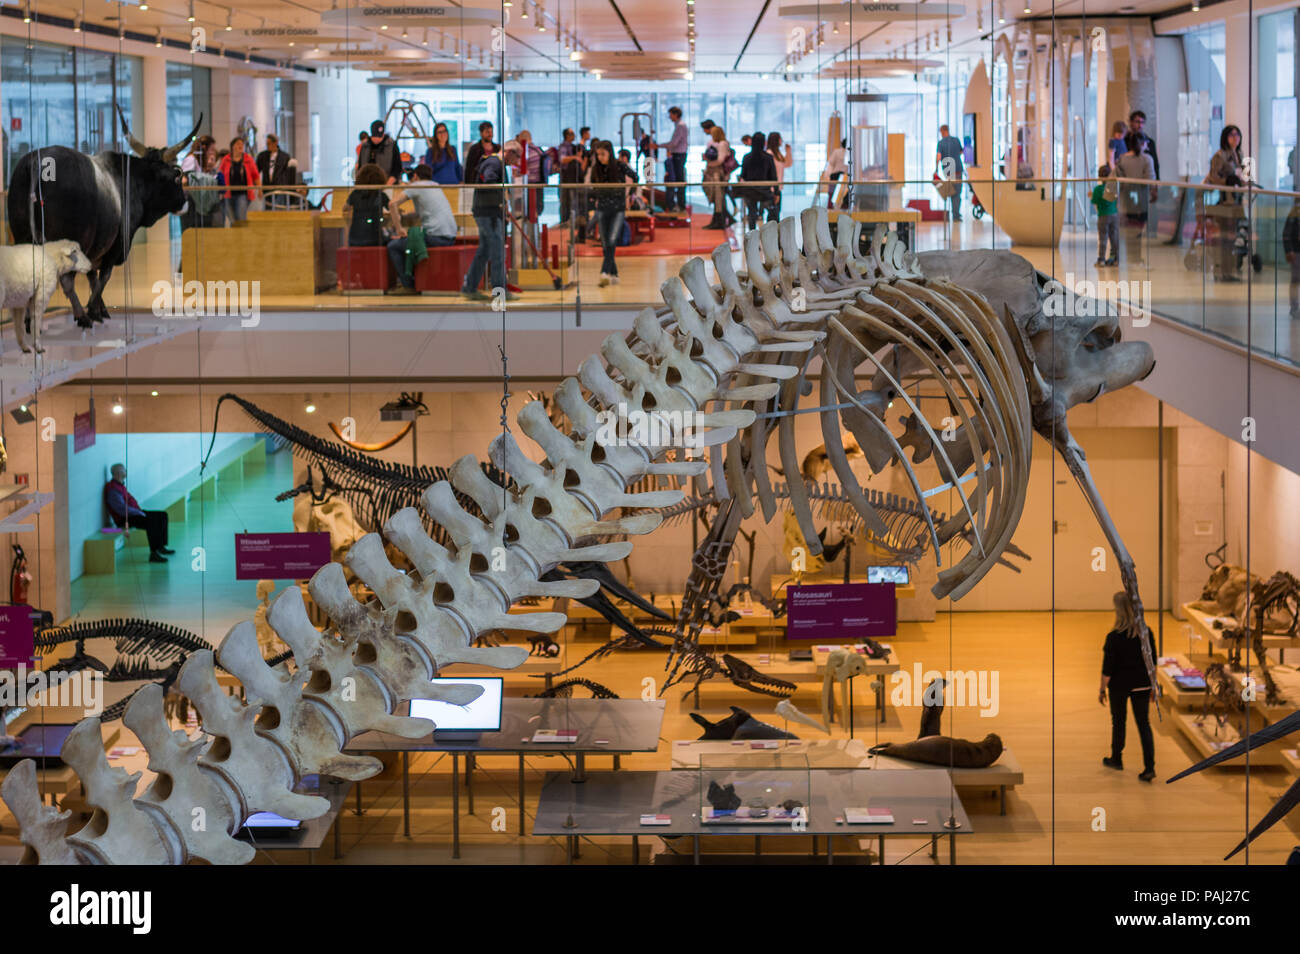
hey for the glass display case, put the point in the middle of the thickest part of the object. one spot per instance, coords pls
(754, 787)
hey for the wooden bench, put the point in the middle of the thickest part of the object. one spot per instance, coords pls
(99, 553)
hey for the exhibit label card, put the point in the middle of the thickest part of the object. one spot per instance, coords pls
(280, 556)
(555, 735)
(841, 611)
(17, 637)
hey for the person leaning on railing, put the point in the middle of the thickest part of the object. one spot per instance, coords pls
(1225, 170)
(238, 173)
(1135, 200)
(489, 215)
(1291, 248)
(611, 204)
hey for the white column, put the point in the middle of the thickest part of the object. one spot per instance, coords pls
(150, 125)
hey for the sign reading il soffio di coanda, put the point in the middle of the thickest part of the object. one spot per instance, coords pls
(841, 611)
(280, 556)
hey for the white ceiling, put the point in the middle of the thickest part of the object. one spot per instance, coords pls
(724, 43)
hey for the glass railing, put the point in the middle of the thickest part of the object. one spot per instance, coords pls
(1224, 262)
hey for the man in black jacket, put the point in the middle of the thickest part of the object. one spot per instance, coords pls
(1136, 123)
(381, 150)
(276, 169)
(484, 147)
(757, 166)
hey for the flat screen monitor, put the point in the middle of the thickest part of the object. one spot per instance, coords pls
(481, 715)
(898, 575)
(37, 742)
(259, 820)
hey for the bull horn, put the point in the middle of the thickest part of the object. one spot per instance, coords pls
(171, 152)
(136, 145)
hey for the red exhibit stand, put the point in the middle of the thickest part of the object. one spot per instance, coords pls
(364, 267)
(446, 267)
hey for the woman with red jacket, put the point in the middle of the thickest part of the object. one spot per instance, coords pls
(238, 172)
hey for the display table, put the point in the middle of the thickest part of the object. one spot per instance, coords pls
(1003, 774)
(1183, 699)
(534, 666)
(1203, 624)
(1203, 731)
(778, 665)
(312, 834)
(605, 726)
(611, 804)
(58, 780)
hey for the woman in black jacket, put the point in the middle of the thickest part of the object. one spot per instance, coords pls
(611, 204)
(758, 166)
(1124, 675)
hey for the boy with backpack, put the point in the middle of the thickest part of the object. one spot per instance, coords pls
(1104, 196)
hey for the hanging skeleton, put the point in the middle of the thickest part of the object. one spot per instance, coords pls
(733, 354)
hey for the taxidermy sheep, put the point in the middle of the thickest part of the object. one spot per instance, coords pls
(28, 276)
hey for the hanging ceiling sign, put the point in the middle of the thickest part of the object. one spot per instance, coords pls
(434, 15)
(366, 54)
(629, 59)
(286, 36)
(879, 67)
(855, 12)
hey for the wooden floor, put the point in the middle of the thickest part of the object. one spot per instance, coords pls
(1048, 713)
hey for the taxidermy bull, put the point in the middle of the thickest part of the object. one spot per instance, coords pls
(97, 201)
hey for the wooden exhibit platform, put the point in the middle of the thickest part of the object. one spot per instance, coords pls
(284, 252)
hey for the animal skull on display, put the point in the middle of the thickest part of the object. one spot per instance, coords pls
(727, 355)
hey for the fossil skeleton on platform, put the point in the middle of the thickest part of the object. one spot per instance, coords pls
(738, 356)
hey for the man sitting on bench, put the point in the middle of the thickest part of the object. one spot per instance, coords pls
(126, 513)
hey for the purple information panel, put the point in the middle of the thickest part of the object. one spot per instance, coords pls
(841, 611)
(280, 556)
(83, 431)
(17, 637)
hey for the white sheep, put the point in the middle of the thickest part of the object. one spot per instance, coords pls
(28, 276)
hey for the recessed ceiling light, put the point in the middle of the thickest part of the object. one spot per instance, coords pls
(153, 393)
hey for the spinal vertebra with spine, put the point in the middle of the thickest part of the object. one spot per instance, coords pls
(741, 345)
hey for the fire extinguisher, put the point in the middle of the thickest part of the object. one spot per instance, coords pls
(19, 578)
